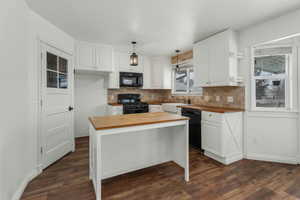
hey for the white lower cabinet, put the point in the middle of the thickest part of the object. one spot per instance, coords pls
(222, 136)
(115, 110)
(155, 108)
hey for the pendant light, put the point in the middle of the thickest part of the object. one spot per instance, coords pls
(177, 58)
(133, 56)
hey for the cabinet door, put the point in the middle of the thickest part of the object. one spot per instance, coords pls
(104, 57)
(113, 82)
(114, 77)
(218, 59)
(147, 72)
(86, 56)
(201, 63)
(211, 138)
(156, 81)
(124, 62)
(167, 73)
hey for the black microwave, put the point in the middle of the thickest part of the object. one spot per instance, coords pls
(128, 79)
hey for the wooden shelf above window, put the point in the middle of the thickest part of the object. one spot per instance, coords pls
(182, 57)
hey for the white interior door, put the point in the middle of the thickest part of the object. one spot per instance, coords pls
(57, 137)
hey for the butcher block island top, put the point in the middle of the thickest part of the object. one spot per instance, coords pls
(119, 121)
(212, 109)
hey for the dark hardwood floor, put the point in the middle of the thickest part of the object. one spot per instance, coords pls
(68, 179)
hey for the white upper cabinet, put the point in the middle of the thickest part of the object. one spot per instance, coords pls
(161, 73)
(215, 60)
(86, 56)
(114, 77)
(123, 62)
(104, 57)
(94, 57)
(201, 63)
(147, 72)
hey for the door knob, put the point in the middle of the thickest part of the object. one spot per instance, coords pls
(70, 108)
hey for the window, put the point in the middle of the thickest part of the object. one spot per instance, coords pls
(183, 81)
(270, 78)
(57, 71)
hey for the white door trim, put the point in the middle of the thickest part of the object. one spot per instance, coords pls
(40, 44)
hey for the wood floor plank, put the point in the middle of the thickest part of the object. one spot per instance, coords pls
(68, 179)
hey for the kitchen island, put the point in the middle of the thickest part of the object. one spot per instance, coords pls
(125, 143)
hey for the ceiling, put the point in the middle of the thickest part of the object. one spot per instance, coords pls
(159, 26)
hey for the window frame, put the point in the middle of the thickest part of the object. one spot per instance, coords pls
(188, 91)
(286, 77)
(57, 71)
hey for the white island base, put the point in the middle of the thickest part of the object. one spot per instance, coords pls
(117, 151)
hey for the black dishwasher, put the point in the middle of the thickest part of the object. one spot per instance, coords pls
(194, 126)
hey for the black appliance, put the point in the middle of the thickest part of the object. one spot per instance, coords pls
(128, 79)
(132, 103)
(194, 126)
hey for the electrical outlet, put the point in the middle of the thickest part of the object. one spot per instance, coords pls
(230, 99)
(217, 98)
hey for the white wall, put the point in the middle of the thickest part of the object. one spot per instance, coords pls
(41, 30)
(15, 154)
(270, 136)
(20, 29)
(90, 100)
(279, 27)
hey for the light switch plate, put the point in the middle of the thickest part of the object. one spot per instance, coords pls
(230, 99)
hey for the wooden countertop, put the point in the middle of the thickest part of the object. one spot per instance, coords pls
(114, 104)
(212, 109)
(119, 121)
(149, 102)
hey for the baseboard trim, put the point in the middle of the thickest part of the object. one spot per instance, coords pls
(18, 194)
(269, 158)
(224, 160)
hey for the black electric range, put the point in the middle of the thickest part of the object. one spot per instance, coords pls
(132, 103)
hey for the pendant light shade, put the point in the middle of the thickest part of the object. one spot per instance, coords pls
(134, 59)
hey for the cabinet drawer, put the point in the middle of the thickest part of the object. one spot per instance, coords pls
(212, 116)
(212, 138)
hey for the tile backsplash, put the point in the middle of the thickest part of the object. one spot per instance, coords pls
(229, 97)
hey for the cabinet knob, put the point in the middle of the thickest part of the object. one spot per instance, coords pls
(210, 115)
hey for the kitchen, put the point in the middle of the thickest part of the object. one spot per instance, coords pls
(120, 111)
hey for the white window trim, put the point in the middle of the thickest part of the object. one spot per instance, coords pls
(287, 78)
(188, 92)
